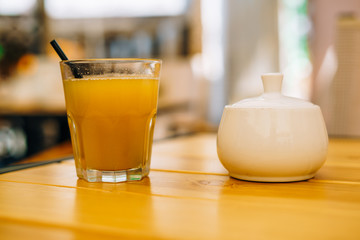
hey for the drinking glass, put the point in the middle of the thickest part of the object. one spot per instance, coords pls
(111, 108)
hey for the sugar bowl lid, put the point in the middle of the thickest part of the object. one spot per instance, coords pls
(272, 97)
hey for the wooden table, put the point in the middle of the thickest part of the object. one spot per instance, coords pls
(188, 195)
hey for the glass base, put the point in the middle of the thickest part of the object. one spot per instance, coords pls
(92, 175)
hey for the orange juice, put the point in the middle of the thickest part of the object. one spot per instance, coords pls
(111, 121)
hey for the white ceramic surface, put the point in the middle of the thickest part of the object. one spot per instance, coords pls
(272, 138)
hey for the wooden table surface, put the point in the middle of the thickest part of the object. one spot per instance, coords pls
(188, 195)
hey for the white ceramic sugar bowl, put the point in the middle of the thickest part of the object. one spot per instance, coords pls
(272, 138)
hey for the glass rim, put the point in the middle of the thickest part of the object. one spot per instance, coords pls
(104, 60)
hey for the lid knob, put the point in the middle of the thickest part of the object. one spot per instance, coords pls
(272, 82)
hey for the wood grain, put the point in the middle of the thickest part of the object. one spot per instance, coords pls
(188, 195)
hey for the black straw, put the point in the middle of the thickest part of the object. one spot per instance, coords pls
(58, 50)
(62, 55)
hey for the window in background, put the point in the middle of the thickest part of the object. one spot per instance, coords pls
(16, 7)
(114, 8)
(294, 28)
(213, 16)
(121, 28)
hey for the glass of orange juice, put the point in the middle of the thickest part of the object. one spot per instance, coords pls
(111, 107)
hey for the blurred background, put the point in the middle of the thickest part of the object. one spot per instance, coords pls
(213, 53)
